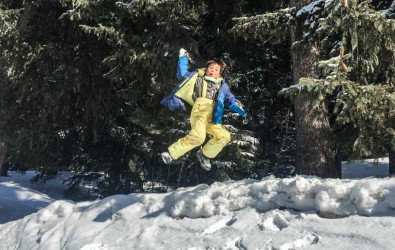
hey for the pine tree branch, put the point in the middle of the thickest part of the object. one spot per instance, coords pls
(258, 27)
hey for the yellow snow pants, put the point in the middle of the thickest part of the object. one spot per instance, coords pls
(201, 124)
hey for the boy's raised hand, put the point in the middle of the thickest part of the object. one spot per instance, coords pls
(183, 52)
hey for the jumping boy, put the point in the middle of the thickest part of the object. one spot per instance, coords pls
(208, 94)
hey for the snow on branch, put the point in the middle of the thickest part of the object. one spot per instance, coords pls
(261, 26)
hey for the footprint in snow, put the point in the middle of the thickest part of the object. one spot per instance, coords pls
(97, 246)
(276, 222)
(310, 239)
(220, 224)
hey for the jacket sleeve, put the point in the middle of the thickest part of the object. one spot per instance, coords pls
(172, 101)
(182, 68)
(235, 105)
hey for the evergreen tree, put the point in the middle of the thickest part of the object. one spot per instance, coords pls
(9, 13)
(357, 103)
(84, 80)
(66, 112)
(3, 147)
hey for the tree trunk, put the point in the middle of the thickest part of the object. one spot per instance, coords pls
(392, 162)
(3, 152)
(338, 160)
(391, 156)
(315, 148)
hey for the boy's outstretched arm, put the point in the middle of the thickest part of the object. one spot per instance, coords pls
(235, 105)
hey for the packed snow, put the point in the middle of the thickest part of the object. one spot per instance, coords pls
(367, 168)
(10, 206)
(301, 212)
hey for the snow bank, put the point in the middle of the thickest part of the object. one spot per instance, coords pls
(10, 206)
(229, 215)
(325, 196)
(332, 197)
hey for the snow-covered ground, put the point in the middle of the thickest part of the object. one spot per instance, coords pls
(367, 168)
(293, 213)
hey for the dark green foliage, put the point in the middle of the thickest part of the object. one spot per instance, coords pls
(262, 71)
(82, 80)
(360, 102)
(12, 4)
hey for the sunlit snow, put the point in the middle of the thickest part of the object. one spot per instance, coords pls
(301, 212)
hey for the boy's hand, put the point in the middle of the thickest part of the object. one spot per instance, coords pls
(183, 52)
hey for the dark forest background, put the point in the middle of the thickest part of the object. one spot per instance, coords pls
(81, 83)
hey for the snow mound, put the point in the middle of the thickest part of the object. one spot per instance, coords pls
(325, 196)
(227, 215)
(10, 206)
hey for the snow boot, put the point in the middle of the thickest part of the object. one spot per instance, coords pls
(203, 160)
(166, 157)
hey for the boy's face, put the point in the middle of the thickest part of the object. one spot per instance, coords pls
(213, 70)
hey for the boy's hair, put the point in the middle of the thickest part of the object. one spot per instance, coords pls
(218, 61)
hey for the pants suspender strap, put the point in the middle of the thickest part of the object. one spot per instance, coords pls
(204, 91)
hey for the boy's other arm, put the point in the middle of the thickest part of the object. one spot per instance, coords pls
(234, 104)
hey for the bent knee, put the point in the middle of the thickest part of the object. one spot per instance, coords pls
(224, 137)
(197, 139)
(227, 137)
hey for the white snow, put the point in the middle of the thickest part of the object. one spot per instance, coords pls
(301, 212)
(246, 141)
(12, 209)
(367, 168)
(310, 8)
(390, 10)
(248, 154)
(127, 5)
(18, 197)
(294, 87)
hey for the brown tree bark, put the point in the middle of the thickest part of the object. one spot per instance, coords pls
(392, 162)
(391, 156)
(315, 148)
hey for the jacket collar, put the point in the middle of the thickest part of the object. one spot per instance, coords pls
(201, 72)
